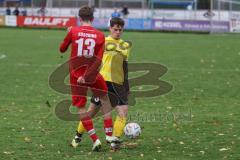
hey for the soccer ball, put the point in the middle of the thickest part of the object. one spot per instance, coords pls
(132, 130)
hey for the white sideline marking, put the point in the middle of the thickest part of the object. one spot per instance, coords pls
(205, 70)
(169, 69)
(35, 65)
(2, 56)
(48, 37)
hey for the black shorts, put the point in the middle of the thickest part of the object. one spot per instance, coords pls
(117, 94)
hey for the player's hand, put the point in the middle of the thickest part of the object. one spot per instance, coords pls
(81, 80)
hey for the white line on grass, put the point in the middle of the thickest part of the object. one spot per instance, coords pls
(48, 37)
(169, 69)
(36, 65)
(205, 70)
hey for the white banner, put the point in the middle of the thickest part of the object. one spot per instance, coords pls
(235, 25)
(136, 13)
(235, 21)
(11, 21)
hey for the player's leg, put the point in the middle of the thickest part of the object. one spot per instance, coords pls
(99, 89)
(119, 125)
(108, 124)
(120, 120)
(120, 100)
(79, 100)
(92, 110)
(88, 125)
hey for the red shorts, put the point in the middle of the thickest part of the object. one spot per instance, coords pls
(79, 92)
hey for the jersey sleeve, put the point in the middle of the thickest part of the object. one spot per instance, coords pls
(125, 72)
(67, 41)
(124, 48)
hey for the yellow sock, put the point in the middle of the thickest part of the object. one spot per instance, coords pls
(81, 128)
(119, 125)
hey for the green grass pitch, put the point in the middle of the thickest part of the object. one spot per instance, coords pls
(198, 119)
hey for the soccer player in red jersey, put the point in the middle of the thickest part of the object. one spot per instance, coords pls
(87, 47)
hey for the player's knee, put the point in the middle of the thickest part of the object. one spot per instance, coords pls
(107, 115)
(81, 110)
(104, 98)
(122, 114)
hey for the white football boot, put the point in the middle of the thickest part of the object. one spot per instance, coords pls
(111, 139)
(96, 146)
(76, 140)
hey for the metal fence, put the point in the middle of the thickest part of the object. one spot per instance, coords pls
(163, 4)
(225, 10)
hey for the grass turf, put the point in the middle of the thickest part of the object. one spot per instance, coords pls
(198, 119)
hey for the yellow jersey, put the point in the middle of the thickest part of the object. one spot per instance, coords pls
(116, 51)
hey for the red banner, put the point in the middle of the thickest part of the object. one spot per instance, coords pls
(48, 22)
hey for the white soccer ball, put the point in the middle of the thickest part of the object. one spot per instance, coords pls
(132, 130)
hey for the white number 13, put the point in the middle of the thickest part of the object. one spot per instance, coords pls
(90, 43)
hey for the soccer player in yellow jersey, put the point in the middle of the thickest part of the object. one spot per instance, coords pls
(115, 72)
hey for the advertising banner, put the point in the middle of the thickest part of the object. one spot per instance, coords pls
(235, 21)
(11, 21)
(2, 21)
(138, 24)
(101, 23)
(47, 22)
(189, 25)
(131, 23)
(235, 25)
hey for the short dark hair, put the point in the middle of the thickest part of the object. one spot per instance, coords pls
(86, 13)
(116, 21)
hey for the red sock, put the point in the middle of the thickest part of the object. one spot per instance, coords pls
(88, 125)
(108, 126)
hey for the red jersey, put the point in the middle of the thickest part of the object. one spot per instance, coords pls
(87, 46)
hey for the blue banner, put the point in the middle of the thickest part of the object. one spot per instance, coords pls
(138, 24)
(131, 23)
